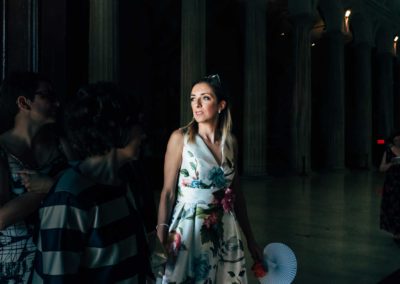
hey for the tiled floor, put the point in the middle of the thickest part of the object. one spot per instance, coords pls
(331, 221)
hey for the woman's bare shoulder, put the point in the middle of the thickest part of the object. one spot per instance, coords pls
(177, 135)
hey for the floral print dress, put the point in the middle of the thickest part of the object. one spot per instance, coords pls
(204, 236)
(390, 205)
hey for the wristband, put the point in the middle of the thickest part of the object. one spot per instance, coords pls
(162, 224)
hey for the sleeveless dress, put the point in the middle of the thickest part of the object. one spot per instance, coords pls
(204, 236)
(17, 248)
(390, 204)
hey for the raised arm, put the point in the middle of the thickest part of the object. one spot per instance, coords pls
(384, 166)
(242, 217)
(172, 164)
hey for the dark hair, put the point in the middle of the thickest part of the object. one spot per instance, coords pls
(224, 118)
(99, 118)
(392, 136)
(215, 83)
(13, 86)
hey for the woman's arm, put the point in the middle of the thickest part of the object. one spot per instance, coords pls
(4, 183)
(17, 209)
(384, 166)
(172, 164)
(242, 217)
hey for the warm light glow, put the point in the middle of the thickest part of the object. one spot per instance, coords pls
(396, 38)
(313, 44)
(346, 21)
(282, 34)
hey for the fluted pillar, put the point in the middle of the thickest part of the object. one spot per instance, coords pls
(19, 36)
(301, 104)
(396, 88)
(193, 51)
(103, 40)
(384, 102)
(254, 155)
(359, 122)
(332, 125)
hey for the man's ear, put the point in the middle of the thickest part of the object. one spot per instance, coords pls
(23, 103)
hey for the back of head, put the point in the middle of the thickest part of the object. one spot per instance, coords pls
(13, 86)
(99, 118)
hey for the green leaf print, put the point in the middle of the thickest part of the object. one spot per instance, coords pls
(190, 154)
(185, 172)
(205, 186)
(241, 274)
(231, 273)
(201, 211)
(193, 165)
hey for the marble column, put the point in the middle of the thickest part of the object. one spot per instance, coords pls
(332, 106)
(359, 122)
(362, 111)
(301, 104)
(384, 102)
(103, 40)
(193, 51)
(19, 36)
(254, 122)
(396, 87)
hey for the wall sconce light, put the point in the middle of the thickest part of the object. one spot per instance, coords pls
(395, 40)
(346, 21)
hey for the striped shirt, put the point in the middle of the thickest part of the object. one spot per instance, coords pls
(90, 233)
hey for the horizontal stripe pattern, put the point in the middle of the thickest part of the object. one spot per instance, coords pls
(98, 257)
(56, 216)
(92, 232)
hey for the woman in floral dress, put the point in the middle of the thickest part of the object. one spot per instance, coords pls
(201, 205)
(390, 206)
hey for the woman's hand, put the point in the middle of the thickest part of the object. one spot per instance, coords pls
(36, 182)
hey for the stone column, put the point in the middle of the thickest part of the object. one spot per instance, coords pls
(103, 40)
(332, 103)
(254, 122)
(193, 51)
(332, 107)
(19, 36)
(384, 102)
(396, 88)
(301, 104)
(359, 135)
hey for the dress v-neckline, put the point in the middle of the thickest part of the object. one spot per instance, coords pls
(212, 153)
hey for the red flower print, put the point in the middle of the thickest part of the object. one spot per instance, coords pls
(174, 240)
(211, 220)
(228, 200)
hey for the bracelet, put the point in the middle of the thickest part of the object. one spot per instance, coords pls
(162, 224)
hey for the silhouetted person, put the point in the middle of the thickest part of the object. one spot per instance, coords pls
(90, 229)
(30, 158)
(390, 206)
